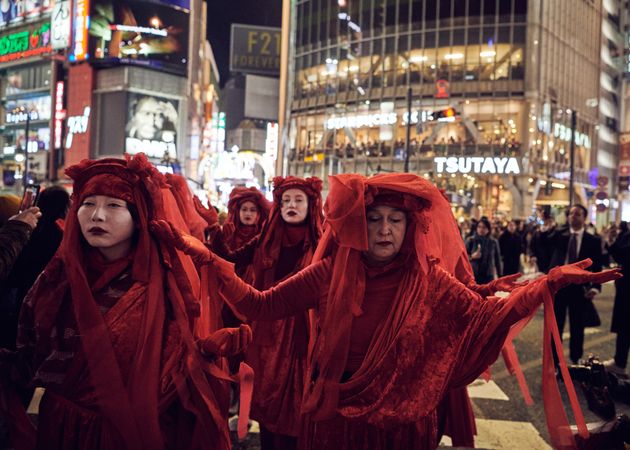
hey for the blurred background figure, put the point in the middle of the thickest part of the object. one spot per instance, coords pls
(511, 245)
(53, 203)
(484, 253)
(619, 250)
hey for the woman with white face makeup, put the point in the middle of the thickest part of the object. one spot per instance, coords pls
(109, 328)
(395, 331)
(278, 352)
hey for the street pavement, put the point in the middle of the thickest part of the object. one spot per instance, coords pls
(503, 419)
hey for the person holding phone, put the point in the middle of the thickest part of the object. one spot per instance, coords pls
(484, 253)
(13, 237)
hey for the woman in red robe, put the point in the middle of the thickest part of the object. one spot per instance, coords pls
(278, 352)
(108, 327)
(393, 329)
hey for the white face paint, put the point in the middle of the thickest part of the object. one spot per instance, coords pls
(106, 224)
(294, 207)
(248, 213)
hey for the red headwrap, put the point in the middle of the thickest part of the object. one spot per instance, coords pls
(242, 194)
(169, 284)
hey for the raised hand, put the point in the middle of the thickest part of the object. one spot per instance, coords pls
(167, 232)
(226, 341)
(562, 276)
(506, 284)
(208, 214)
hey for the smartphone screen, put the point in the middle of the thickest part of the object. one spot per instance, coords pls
(31, 192)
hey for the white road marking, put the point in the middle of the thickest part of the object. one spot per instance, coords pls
(482, 389)
(504, 434)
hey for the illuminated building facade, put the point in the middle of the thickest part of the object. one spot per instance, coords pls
(368, 74)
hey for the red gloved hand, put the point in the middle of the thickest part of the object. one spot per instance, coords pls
(167, 232)
(226, 342)
(562, 276)
(208, 214)
(228, 229)
(506, 284)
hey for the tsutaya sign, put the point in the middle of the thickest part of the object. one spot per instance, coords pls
(477, 164)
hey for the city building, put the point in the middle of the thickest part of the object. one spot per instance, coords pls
(104, 78)
(485, 94)
(26, 74)
(250, 104)
(623, 194)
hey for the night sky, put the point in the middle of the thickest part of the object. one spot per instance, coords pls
(222, 13)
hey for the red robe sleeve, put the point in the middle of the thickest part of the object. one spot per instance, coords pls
(296, 294)
(490, 320)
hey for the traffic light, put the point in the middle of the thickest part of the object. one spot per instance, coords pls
(445, 115)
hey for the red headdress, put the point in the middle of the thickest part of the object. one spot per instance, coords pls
(169, 284)
(275, 228)
(239, 235)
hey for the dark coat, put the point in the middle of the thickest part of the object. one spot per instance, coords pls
(511, 245)
(490, 262)
(620, 251)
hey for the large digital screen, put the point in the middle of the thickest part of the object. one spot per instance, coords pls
(143, 33)
(15, 11)
(152, 124)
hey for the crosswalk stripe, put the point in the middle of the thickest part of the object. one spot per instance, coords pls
(504, 434)
(482, 389)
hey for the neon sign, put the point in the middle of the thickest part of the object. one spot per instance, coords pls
(80, 35)
(60, 113)
(477, 164)
(25, 43)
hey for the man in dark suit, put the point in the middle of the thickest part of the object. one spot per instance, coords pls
(568, 246)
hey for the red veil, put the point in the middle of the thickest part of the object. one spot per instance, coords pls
(184, 198)
(167, 286)
(435, 238)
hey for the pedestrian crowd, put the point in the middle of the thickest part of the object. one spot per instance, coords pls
(353, 324)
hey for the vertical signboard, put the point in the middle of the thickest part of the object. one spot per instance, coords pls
(61, 25)
(60, 113)
(80, 31)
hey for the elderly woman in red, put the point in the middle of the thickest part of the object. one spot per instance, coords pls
(393, 329)
(108, 327)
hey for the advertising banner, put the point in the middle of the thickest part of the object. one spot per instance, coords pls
(152, 125)
(141, 33)
(16, 11)
(25, 42)
(255, 49)
(61, 25)
(39, 108)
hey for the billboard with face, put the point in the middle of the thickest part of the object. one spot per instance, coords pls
(152, 124)
(145, 33)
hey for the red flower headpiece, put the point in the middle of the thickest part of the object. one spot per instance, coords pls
(311, 186)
